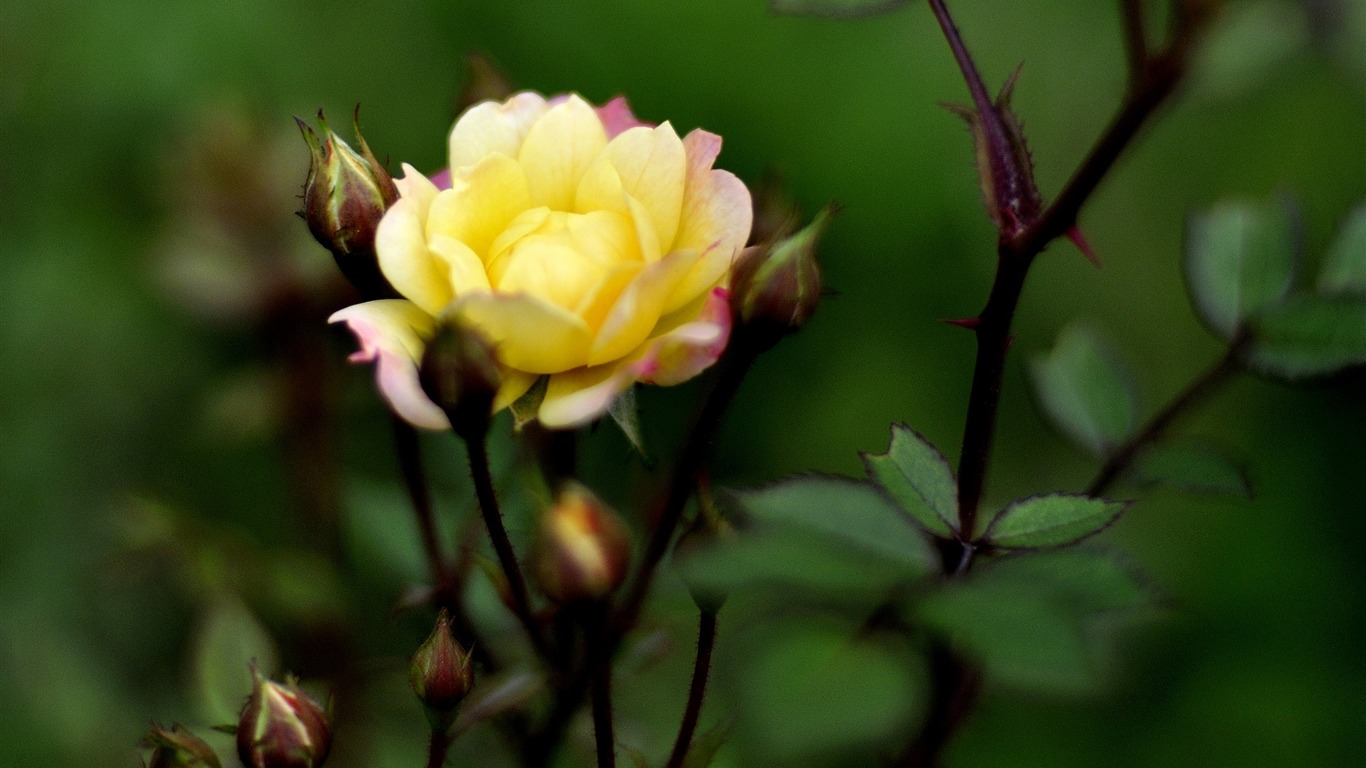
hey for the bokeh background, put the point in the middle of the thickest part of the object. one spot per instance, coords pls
(177, 429)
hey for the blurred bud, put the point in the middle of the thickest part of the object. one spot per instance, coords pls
(345, 195)
(282, 727)
(441, 674)
(582, 550)
(775, 288)
(178, 748)
(460, 374)
(483, 82)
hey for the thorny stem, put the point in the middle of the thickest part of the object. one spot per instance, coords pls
(502, 546)
(1154, 77)
(1135, 34)
(1199, 389)
(706, 640)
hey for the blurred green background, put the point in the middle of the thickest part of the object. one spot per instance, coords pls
(165, 410)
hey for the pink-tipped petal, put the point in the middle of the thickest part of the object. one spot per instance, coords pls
(392, 334)
(617, 117)
(441, 179)
(690, 348)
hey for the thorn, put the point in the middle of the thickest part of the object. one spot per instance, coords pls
(1078, 239)
(970, 323)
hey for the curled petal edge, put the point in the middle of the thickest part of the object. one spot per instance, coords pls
(392, 333)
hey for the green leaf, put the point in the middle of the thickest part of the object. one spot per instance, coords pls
(1032, 619)
(1085, 392)
(1344, 268)
(1193, 468)
(839, 9)
(1240, 261)
(814, 690)
(918, 478)
(1051, 521)
(229, 640)
(705, 745)
(1310, 336)
(846, 512)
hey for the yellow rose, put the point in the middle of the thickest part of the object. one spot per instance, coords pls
(588, 247)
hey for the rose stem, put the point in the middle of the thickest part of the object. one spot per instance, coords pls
(735, 362)
(599, 661)
(493, 521)
(1153, 80)
(1199, 389)
(437, 747)
(706, 640)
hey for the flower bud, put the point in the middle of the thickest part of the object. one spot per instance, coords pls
(345, 195)
(178, 748)
(282, 727)
(775, 288)
(460, 374)
(582, 550)
(441, 674)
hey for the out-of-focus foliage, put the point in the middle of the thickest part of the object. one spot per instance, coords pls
(180, 431)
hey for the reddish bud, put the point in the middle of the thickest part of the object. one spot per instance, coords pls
(282, 727)
(441, 674)
(345, 195)
(775, 288)
(460, 374)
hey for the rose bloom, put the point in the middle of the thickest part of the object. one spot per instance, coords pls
(586, 246)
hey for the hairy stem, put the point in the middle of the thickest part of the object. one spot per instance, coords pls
(697, 690)
(1197, 391)
(502, 546)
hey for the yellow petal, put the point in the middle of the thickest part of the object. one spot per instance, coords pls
(638, 308)
(606, 237)
(464, 269)
(514, 385)
(524, 224)
(547, 267)
(401, 246)
(651, 164)
(717, 215)
(529, 334)
(599, 301)
(577, 397)
(491, 127)
(481, 202)
(559, 147)
(392, 334)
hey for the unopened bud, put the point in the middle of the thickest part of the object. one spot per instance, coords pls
(282, 727)
(441, 674)
(178, 748)
(582, 550)
(775, 288)
(460, 374)
(345, 195)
